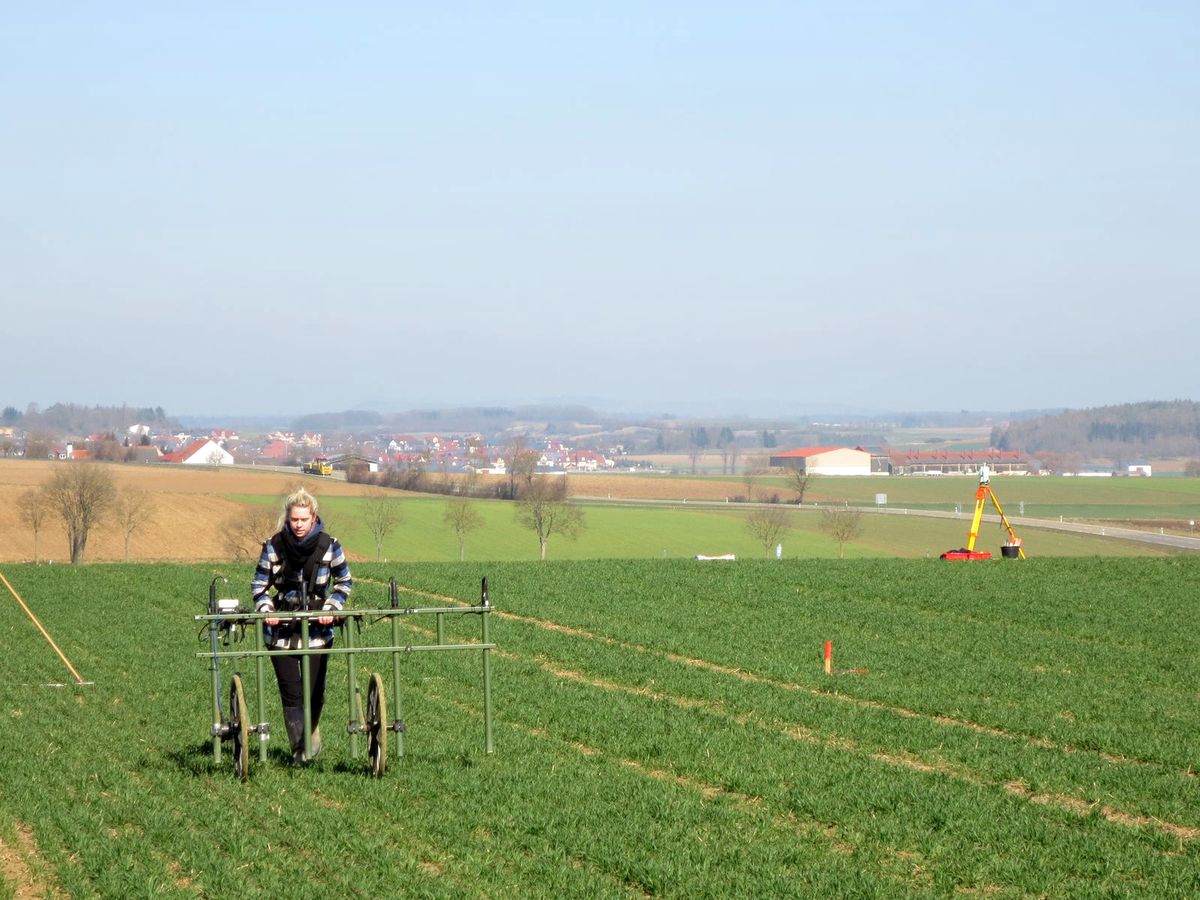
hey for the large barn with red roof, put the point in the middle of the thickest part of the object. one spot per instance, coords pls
(826, 460)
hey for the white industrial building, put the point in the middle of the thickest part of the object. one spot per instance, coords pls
(826, 460)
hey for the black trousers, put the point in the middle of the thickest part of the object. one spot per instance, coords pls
(291, 686)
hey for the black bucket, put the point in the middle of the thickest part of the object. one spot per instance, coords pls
(1010, 551)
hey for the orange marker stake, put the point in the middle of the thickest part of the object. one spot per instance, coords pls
(829, 657)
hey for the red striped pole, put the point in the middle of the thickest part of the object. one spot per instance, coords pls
(829, 657)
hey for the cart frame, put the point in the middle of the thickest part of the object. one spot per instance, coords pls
(220, 624)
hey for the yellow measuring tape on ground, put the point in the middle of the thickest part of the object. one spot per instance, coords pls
(45, 633)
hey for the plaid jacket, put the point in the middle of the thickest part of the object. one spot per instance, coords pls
(332, 587)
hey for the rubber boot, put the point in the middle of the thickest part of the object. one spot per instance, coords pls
(293, 718)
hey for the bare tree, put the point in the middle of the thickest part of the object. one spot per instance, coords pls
(462, 516)
(755, 468)
(468, 485)
(245, 532)
(522, 463)
(543, 507)
(38, 444)
(768, 524)
(447, 482)
(382, 514)
(1060, 462)
(80, 494)
(697, 444)
(33, 507)
(725, 443)
(843, 524)
(798, 480)
(133, 510)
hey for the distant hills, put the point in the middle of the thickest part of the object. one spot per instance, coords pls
(1124, 433)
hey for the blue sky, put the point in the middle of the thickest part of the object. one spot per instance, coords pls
(688, 207)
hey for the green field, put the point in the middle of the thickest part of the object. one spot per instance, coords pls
(1050, 497)
(616, 532)
(662, 727)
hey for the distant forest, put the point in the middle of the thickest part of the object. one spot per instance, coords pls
(1125, 433)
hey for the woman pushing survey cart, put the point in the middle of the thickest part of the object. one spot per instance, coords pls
(227, 625)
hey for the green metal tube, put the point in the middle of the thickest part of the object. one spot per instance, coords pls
(341, 651)
(487, 682)
(216, 692)
(441, 628)
(369, 613)
(259, 687)
(352, 687)
(397, 714)
(306, 682)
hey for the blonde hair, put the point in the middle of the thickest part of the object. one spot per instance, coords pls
(298, 497)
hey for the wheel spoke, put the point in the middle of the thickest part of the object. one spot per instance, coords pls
(239, 725)
(376, 726)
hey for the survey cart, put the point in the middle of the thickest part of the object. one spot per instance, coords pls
(235, 638)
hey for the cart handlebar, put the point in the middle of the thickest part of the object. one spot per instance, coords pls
(295, 615)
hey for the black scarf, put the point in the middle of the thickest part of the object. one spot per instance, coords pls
(300, 557)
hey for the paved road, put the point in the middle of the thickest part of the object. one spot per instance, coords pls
(1178, 541)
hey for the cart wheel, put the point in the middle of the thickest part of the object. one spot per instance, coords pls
(377, 729)
(239, 728)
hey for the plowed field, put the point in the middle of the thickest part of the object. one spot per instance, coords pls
(191, 507)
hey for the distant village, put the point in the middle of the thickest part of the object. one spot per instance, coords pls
(474, 454)
(224, 447)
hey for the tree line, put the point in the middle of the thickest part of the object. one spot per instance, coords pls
(541, 502)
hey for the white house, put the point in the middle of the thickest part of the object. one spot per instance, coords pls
(204, 452)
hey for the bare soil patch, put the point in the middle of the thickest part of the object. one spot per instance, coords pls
(193, 504)
(16, 869)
